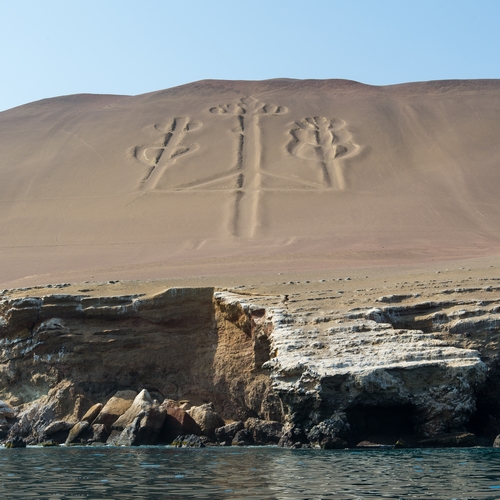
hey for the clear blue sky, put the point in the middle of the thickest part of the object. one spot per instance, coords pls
(57, 47)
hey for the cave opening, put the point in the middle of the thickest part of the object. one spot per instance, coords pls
(382, 424)
(485, 422)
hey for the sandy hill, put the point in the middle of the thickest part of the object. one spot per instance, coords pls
(222, 177)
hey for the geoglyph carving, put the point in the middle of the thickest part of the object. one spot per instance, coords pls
(248, 112)
(322, 142)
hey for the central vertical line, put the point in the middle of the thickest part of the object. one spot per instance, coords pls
(251, 185)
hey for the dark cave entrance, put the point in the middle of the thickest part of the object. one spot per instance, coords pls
(485, 423)
(382, 424)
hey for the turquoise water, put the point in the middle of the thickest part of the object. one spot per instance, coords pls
(250, 473)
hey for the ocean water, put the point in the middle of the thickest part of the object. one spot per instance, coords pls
(249, 473)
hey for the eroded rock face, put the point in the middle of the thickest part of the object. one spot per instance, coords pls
(6, 411)
(63, 402)
(294, 436)
(350, 376)
(175, 343)
(364, 361)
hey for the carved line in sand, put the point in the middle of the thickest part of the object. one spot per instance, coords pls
(323, 140)
(169, 147)
(248, 134)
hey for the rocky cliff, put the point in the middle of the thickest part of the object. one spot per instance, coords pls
(399, 366)
(180, 343)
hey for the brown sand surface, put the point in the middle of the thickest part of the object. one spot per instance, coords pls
(234, 181)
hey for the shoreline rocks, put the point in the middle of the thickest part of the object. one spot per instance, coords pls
(144, 421)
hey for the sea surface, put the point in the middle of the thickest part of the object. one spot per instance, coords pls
(249, 473)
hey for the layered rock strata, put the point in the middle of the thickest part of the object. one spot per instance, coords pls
(400, 366)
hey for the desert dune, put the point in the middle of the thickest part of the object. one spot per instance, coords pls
(245, 178)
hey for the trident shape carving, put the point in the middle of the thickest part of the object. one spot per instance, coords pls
(248, 112)
(324, 143)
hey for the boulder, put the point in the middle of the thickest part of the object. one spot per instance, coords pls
(140, 424)
(115, 407)
(100, 433)
(225, 434)
(264, 431)
(140, 406)
(401, 443)
(370, 445)
(49, 444)
(150, 426)
(293, 437)
(128, 436)
(76, 431)
(450, 440)
(56, 432)
(335, 426)
(92, 413)
(177, 422)
(242, 438)
(15, 442)
(57, 426)
(207, 418)
(332, 443)
(113, 437)
(189, 441)
(496, 443)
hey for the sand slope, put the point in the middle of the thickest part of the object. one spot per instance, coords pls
(238, 176)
